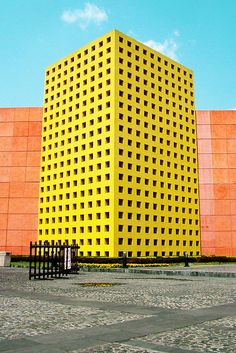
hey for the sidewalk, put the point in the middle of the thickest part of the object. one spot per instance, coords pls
(146, 311)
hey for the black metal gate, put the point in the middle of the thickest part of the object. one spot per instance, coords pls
(52, 260)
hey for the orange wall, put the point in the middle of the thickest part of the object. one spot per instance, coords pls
(217, 177)
(20, 145)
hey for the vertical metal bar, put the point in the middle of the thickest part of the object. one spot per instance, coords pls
(48, 260)
(39, 260)
(35, 260)
(30, 261)
(44, 250)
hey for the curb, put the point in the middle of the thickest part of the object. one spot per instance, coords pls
(192, 273)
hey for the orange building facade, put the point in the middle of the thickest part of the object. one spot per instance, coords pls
(20, 145)
(216, 131)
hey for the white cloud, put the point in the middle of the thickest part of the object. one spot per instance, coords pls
(169, 47)
(90, 14)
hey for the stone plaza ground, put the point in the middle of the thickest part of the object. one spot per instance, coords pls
(114, 312)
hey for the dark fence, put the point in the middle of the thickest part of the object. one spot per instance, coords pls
(52, 260)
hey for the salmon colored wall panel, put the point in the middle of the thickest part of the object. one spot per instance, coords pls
(34, 143)
(221, 176)
(32, 174)
(6, 129)
(209, 251)
(5, 159)
(23, 205)
(217, 117)
(20, 147)
(206, 175)
(32, 189)
(204, 131)
(207, 207)
(232, 176)
(221, 223)
(232, 160)
(17, 189)
(19, 143)
(14, 237)
(203, 117)
(218, 131)
(22, 222)
(4, 174)
(18, 159)
(17, 173)
(21, 237)
(21, 114)
(231, 145)
(222, 201)
(5, 143)
(3, 239)
(4, 189)
(223, 239)
(219, 146)
(232, 192)
(205, 161)
(3, 221)
(21, 128)
(4, 205)
(233, 223)
(206, 191)
(219, 160)
(6, 114)
(33, 159)
(231, 131)
(221, 191)
(35, 114)
(222, 207)
(224, 251)
(35, 128)
(23, 189)
(204, 146)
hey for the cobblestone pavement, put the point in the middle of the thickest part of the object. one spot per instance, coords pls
(116, 313)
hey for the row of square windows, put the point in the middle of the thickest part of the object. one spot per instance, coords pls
(102, 67)
(174, 121)
(122, 228)
(121, 140)
(137, 179)
(121, 189)
(146, 147)
(120, 202)
(170, 114)
(99, 49)
(130, 108)
(120, 164)
(140, 253)
(120, 214)
(146, 132)
(138, 91)
(138, 242)
(100, 96)
(139, 229)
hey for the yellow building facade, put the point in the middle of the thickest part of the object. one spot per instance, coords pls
(119, 155)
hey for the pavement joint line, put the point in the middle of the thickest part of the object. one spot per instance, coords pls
(159, 347)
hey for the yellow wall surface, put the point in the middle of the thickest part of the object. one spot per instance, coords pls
(119, 165)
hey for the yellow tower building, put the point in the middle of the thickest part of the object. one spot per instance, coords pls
(119, 155)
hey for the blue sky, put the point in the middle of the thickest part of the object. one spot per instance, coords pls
(200, 34)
